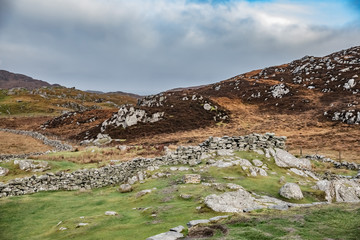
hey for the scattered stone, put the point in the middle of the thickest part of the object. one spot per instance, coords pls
(197, 222)
(185, 196)
(282, 180)
(234, 186)
(81, 225)
(62, 228)
(111, 213)
(257, 162)
(218, 218)
(143, 192)
(3, 171)
(191, 178)
(259, 151)
(124, 188)
(291, 191)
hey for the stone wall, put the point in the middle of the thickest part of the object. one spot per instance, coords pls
(58, 145)
(115, 174)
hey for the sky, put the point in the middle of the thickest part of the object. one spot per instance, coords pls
(149, 46)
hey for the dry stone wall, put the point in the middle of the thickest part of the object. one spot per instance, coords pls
(115, 174)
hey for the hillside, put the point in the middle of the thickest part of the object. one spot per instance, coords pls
(313, 101)
(10, 80)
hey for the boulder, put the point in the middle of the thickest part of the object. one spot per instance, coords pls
(285, 159)
(125, 188)
(291, 191)
(231, 201)
(33, 166)
(3, 171)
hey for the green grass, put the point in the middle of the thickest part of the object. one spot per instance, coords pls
(35, 216)
(326, 222)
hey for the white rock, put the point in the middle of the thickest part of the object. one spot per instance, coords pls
(291, 191)
(231, 201)
(257, 162)
(111, 213)
(285, 159)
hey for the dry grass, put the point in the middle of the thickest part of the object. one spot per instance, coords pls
(19, 144)
(301, 130)
(103, 155)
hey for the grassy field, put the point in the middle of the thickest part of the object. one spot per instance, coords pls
(36, 216)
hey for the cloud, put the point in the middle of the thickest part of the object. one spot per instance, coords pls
(153, 45)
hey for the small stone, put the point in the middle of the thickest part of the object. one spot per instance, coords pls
(218, 218)
(81, 225)
(191, 178)
(143, 192)
(62, 228)
(257, 162)
(185, 196)
(111, 213)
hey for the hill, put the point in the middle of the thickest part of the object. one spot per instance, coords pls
(313, 101)
(10, 80)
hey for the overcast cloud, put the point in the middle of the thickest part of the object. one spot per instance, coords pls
(148, 46)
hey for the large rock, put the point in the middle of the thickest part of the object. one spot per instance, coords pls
(3, 171)
(291, 191)
(342, 190)
(285, 159)
(231, 201)
(33, 166)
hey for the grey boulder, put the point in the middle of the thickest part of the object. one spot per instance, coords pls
(291, 191)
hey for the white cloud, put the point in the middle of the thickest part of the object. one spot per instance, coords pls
(151, 45)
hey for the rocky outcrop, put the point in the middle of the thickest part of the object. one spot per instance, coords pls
(291, 191)
(128, 116)
(172, 234)
(342, 190)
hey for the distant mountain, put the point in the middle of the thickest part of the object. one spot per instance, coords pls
(117, 92)
(10, 80)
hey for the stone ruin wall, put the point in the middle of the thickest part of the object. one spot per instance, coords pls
(115, 174)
